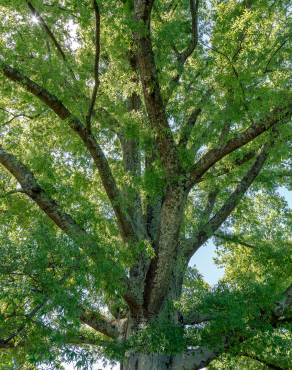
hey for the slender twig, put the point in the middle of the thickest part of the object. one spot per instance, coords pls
(47, 29)
(96, 63)
(63, 9)
(29, 316)
(15, 116)
(273, 54)
(233, 239)
(185, 54)
(236, 74)
(12, 192)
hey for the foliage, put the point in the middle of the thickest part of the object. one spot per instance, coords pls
(237, 75)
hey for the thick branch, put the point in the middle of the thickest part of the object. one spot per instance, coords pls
(195, 359)
(194, 6)
(214, 155)
(232, 166)
(87, 137)
(283, 305)
(100, 323)
(162, 265)
(194, 318)
(63, 220)
(153, 209)
(132, 156)
(151, 89)
(31, 187)
(187, 128)
(50, 100)
(216, 221)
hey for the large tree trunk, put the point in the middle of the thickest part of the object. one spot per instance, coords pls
(140, 361)
(191, 360)
(156, 361)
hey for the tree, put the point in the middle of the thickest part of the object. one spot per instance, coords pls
(132, 132)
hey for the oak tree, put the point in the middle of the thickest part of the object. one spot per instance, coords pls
(132, 132)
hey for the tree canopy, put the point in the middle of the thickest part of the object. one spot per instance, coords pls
(131, 133)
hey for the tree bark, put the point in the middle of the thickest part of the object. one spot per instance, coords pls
(140, 361)
(192, 360)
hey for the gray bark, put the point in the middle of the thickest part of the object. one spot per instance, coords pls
(192, 360)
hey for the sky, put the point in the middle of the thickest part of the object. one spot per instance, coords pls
(204, 261)
(204, 257)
